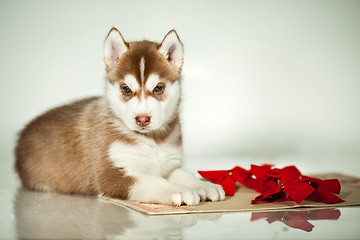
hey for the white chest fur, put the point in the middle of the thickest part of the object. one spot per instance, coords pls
(146, 157)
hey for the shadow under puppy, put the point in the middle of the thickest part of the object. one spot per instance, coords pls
(125, 144)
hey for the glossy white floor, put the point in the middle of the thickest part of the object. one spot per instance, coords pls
(36, 215)
(33, 215)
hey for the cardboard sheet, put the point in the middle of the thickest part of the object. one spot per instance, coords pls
(241, 201)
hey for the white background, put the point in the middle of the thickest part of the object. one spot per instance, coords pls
(265, 81)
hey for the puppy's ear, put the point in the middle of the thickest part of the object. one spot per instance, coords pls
(114, 47)
(172, 49)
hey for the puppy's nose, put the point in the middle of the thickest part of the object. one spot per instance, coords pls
(142, 120)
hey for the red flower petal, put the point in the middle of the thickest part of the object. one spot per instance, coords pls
(266, 194)
(260, 171)
(298, 191)
(266, 183)
(331, 185)
(287, 173)
(228, 185)
(219, 180)
(223, 178)
(321, 195)
(324, 190)
(245, 178)
(213, 175)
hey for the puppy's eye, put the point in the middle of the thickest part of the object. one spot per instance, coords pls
(126, 90)
(159, 89)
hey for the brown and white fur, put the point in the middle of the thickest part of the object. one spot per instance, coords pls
(126, 144)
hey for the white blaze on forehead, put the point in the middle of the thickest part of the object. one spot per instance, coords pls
(152, 81)
(132, 83)
(142, 69)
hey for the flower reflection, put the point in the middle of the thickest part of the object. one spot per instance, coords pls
(297, 219)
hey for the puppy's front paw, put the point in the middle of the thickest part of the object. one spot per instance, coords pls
(185, 196)
(213, 192)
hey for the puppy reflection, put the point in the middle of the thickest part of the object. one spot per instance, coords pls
(51, 215)
(45, 215)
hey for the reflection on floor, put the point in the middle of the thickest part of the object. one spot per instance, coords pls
(50, 215)
(298, 219)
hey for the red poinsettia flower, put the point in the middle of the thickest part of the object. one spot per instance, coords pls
(298, 187)
(227, 178)
(301, 187)
(274, 194)
(289, 173)
(293, 183)
(263, 180)
(222, 177)
(246, 178)
(276, 184)
(289, 186)
(324, 190)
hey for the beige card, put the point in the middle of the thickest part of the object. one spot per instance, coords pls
(241, 201)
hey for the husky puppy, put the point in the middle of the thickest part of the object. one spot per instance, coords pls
(125, 144)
